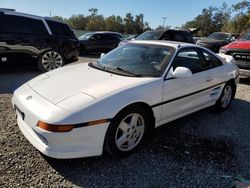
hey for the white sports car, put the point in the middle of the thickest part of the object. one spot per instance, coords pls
(113, 104)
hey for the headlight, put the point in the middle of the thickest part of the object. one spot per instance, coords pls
(223, 51)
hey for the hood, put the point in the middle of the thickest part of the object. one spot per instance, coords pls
(212, 41)
(71, 80)
(239, 44)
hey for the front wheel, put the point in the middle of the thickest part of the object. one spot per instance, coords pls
(225, 98)
(127, 132)
(50, 60)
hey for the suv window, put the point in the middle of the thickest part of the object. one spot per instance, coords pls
(176, 35)
(58, 28)
(190, 59)
(108, 37)
(23, 25)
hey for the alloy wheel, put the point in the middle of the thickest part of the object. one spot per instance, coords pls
(52, 60)
(226, 97)
(129, 132)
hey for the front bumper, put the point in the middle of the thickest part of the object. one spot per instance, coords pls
(244, 72)
(80, 142)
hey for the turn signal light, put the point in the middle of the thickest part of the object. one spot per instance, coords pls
(55, 128)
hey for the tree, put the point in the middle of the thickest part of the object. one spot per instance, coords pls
(241, 21)
(114, 23)
(96, 22)
(139, 23)
(129, 24)
(77, 22)
(58, 18)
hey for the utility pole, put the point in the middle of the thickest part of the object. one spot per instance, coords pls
(164, 18)
(50, 13)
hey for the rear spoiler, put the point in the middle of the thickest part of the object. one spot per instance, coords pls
(227, 58)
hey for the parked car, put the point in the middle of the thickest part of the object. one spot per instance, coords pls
(103, 41)
(114, 104)
(216, 40)
(51, 43)
(170, 34)
(240, 50)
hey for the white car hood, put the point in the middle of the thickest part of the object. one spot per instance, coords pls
(71, 80)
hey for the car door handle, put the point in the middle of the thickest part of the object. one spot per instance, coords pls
(209, 79)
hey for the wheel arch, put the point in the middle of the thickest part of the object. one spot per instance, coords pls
(142, 105)
(233, 84)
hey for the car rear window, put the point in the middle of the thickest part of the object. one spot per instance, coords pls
(58, 28)
(22, 25)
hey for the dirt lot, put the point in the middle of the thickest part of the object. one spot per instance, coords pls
(204, 149)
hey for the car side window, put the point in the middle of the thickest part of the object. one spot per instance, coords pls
(22, 25)
(179, 37)
(108, 37)
(61, 29)
(211, 61)
(96, 37)
(188, 58)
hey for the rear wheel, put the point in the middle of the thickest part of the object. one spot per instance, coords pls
(226, 97)
(127, 132)
(50, 60)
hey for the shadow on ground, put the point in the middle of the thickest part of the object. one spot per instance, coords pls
(245, 81)
(14, 74)
(197, 149)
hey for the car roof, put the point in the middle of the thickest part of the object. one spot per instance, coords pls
(174, 44)
(13, 12)
(107, 32)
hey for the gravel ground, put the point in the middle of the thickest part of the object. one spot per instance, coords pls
(204, 149)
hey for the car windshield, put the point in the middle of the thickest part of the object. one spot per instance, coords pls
(150, 35)
(137, 59)
(86, 36)
(245, 36)
(220, 36)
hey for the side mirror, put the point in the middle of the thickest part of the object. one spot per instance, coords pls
(92, 38)
(182, 72)
(102, 54)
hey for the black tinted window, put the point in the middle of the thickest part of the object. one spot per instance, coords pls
(60, 28)
(108, 37)
(24, 25)
(211, 61)
(188, 58)
(179, 37)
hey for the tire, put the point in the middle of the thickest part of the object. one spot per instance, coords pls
(226, 97)
(127, 132)
(50, 60)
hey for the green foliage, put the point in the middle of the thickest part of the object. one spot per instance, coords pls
(214, 19)
(96, 22)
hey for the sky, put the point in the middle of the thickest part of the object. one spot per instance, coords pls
(177, 12)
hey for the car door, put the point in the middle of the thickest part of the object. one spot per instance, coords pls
(94, 43)
(182, 96)
(21, 36)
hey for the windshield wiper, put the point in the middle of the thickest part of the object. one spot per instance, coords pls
(129, 72)
(115, 69)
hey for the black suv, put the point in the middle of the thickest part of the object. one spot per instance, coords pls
(100, 41)
(170, 34)
(51, 43)
(216, 40)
